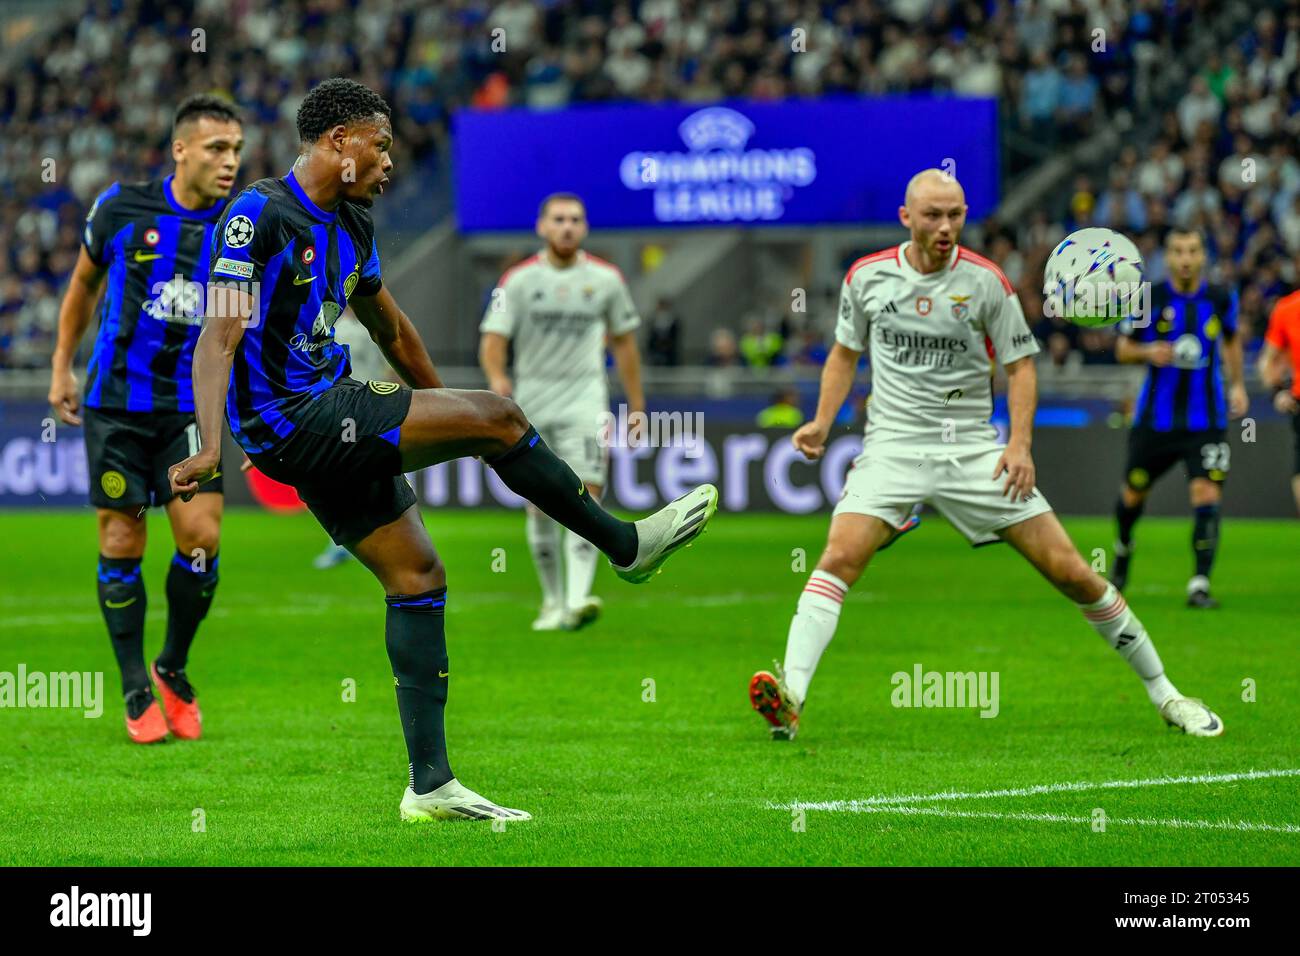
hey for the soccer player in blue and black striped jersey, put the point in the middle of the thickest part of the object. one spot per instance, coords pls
(1187, 341)
(291, 254)
(146, 247)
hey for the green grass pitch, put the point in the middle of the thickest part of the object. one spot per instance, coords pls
(560, 724)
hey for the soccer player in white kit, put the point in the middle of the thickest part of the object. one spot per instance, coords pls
(560, 306)
(934, 315)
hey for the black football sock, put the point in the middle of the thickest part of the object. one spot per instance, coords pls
(1205, 538)
(189, 595)
(417, 650)
(531, 470)
(122, 601)
(1126, 518)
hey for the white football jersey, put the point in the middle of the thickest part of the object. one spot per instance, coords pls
(558, 319)
(931, 340)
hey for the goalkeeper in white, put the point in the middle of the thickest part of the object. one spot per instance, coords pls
(934, 315)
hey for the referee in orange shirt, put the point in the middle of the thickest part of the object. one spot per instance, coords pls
(1282, 342)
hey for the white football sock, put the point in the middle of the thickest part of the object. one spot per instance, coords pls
(544, 543)
(1110, 617)
(580, 557)
(812, 629)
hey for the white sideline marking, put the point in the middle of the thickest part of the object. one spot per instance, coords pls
(869, 803)
(1241, 825)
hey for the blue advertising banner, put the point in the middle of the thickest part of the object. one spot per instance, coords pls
(741, 164)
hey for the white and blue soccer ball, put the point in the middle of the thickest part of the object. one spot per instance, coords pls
(1094, 277)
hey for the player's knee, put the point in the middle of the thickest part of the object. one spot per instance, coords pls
(1204, 492)
(1071, 574)
(845, 563)
(423, 573)
(120, 537)
(504, 419)
(201, 539)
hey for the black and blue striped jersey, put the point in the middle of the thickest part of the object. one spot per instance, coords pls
(1186, 395)
(157, 254)
(301, 263)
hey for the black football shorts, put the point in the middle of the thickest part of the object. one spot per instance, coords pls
(128, 455)
(342, 457)
(1205, 454)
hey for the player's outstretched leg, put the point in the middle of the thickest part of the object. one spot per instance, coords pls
(122, 601)
(1044, 543)
(1128, 508)
(191, 583)
(446, 423)
(401, 556)
(779, 695)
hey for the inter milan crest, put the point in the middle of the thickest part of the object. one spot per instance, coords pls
(349, 284)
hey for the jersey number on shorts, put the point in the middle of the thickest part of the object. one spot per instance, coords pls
(1215, 456)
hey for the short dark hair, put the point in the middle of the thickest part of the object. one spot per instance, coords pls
(560, 197)
(1186, 231)
(336, 101)
(204, 104)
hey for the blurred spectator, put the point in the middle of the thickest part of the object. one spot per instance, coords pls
(664, 342)
(760, 346)
(784, 412)
(722, 349)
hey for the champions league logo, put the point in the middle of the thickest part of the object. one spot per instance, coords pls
(718, 179)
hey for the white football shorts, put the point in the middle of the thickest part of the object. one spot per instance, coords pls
(886, 482)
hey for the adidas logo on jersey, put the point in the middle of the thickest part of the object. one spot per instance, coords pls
(890, 308)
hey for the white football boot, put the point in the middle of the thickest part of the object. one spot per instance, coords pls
(452, 801)
(673, 526)
(550, 618)
(585, 613)
(1192, 717)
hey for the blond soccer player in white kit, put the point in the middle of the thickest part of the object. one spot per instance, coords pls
(933, 315)
(560, 307)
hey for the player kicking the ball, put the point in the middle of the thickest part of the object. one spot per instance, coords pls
(558, 306)
(934, 314)
(291, 254)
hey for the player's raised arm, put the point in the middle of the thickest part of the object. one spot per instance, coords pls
(74, 318)
(394, 333)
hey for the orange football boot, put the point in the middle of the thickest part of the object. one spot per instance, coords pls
(180, 704)
(150, 727)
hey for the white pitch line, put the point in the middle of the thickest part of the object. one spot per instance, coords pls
(852, 806)
(1239, 825)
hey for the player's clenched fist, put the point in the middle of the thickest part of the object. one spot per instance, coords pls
(192, 472)
(63, 396)
(810, 439)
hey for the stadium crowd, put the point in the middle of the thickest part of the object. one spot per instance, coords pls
(89, 102)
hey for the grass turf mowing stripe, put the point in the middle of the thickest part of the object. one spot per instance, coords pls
(854, 806)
